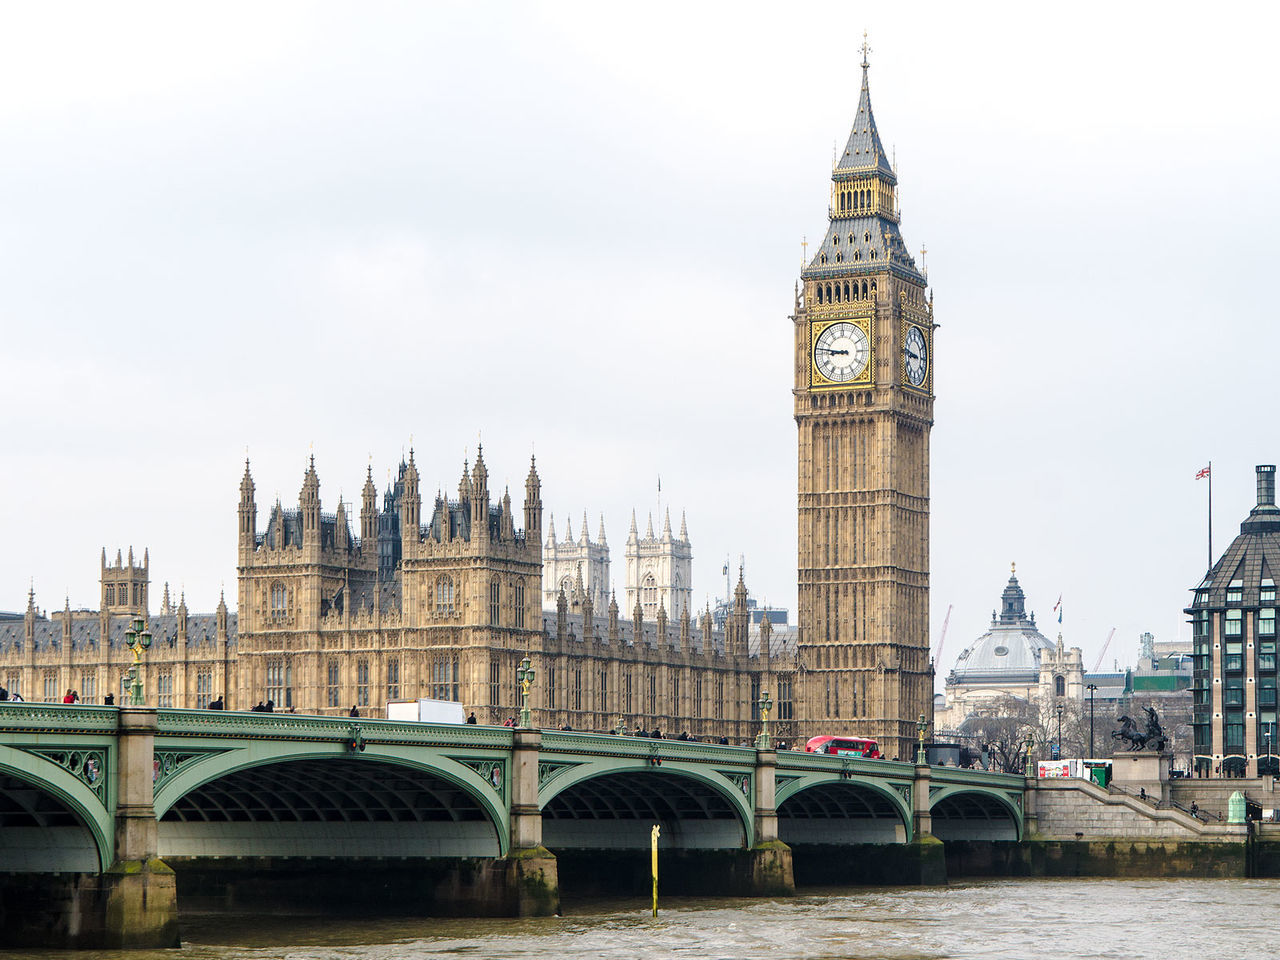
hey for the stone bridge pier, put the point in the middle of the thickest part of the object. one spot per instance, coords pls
(133, 901)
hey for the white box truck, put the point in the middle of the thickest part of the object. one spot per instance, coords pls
(426, 710)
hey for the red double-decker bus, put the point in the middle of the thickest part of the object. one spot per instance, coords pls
(844, 747)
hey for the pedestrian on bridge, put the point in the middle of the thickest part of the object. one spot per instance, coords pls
(353, 712)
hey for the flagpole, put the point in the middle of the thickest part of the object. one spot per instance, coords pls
(1210, 514)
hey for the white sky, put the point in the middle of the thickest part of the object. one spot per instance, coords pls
(578, 226)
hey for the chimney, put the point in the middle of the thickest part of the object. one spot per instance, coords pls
(1266, 484)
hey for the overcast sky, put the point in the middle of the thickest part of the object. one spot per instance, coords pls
(577, 228)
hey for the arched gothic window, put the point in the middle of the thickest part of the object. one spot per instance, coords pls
(1059, 686)
(444, 596)
(649, 595)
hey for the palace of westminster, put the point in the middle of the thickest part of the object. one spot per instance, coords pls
(445, 598)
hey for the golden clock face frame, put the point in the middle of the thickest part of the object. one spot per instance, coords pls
(832, 341)
(917, 357)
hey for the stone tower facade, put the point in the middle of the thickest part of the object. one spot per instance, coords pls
(864, 407)
(659, 570)
(124, 585)
(564, 561)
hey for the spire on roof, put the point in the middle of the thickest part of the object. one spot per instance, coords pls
(666, 525)
(600, 535)
(864, 151)
(582, 537)
(648, 529)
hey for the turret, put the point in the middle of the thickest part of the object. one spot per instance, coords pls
(248, 514)
(340, 532)
(613, 617)
(533, 503)
(684, 528)
(686, 629)
(582, 537)
(662, 625)
(600, 538)
(309, 505)
(632, 538)
(410, 507)
(480, 499)
(369, 514)
(666, 527)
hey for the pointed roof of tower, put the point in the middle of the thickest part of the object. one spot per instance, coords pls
(631, 534)
(648, 528)
(568, 530)
(864, 151)
(666, 525)
(246, 482)
(684, 528)
(582, 535)
(551, 529)
(600, 535)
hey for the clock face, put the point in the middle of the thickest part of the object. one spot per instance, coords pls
(915, 356)
(841, 352)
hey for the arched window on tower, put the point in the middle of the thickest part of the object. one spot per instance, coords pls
(279, 601)
(444, 596)
(842, 201)
(1059, 686)
(495, 606)
(649, 596)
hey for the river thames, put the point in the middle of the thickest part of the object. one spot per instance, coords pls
(989, 919)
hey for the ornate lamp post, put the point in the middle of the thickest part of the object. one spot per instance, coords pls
(765, 705)
(525, 676)
(139, 639)
(1057, 750)
(921, 726)
(1031, 763)
(1091, 687)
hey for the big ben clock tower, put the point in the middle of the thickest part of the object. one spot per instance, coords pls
(864, 407)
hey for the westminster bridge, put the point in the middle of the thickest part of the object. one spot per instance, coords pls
(107, 814)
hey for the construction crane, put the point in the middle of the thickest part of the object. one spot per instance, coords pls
(1104, 650)
(937, 654)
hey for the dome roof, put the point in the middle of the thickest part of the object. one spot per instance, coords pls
(1010, 650)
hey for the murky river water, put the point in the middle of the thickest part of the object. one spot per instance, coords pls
(1015, 919)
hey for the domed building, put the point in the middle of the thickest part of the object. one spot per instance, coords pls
(1013, 658)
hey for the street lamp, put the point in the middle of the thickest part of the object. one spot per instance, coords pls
(1058, 746)
(921, 726)
(1091, 687)
(1270, 724)
(1030, 743)
(765, 705)
(525, 676)
(139, 639)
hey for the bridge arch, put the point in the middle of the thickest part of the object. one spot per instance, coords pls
(968, 813)
(613, 803)
(821, 809)
(319, 799)
(50, 819)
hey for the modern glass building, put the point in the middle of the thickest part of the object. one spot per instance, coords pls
(1233, 624)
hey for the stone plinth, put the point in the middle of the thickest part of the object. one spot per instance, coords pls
(1138, 770)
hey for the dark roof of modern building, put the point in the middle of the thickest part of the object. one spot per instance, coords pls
(1253, 556)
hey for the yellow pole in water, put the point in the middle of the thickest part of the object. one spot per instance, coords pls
(653, 842)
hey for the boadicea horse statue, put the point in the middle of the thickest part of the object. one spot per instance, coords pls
(1152, 738)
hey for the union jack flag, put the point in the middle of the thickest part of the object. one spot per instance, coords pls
(1203, 473)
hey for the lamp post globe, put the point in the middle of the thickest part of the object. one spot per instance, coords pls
(921, 726)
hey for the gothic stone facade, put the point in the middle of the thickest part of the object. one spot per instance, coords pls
(321, 631)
